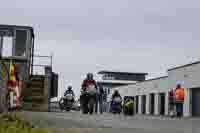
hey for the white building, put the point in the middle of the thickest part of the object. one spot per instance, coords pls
(151, 96)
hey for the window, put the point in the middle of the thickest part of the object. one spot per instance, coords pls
(7, 46)
(20, 46)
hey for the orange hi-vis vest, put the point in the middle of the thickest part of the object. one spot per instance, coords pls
(179, 94)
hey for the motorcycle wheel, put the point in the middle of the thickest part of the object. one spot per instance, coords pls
(84, 105)
(61, 106)
(84, 111)
(69, 105)
(91, 106)
(67, 109)
(119, 112)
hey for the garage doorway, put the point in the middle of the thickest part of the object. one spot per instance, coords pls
(151, 103)
(143, 104)
(162, 103)
(195, 101)
(136, 104)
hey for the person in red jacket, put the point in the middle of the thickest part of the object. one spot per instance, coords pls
(85, 84)
(172, 102)
(88, 81)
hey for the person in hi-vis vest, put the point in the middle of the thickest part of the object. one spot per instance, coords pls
(179, 94)
(172, 102)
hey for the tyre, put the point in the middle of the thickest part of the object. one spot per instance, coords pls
(91, 106)
(84, 106)
(67, 109)
(125, 111)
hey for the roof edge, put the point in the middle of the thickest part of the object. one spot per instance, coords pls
(18, 26)
(178, 67)
(163, 77)
(155, 79)
(104, 72)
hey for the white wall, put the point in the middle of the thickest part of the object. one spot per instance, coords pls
(189, 75)
(147, 104)
(144, 88)
(156, 107)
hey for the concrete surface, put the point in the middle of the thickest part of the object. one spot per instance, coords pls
(109, 123)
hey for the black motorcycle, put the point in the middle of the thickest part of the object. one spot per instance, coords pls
(66, 102)
(88, 100)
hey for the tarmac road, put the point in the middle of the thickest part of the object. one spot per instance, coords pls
(109, 123)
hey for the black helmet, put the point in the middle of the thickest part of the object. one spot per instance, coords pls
(116, 92)
(69, 88)
(89, 76)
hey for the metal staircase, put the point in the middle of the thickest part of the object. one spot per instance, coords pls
(34, 97)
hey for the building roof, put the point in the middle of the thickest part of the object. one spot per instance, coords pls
(116, 82)
(114, 72)
(11, 27)
(178, 67)
(163, 77)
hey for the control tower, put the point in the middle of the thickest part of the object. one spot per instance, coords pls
(20, 41)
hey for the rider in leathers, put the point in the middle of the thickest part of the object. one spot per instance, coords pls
(115, 94)
(88, 81)
(69, 91)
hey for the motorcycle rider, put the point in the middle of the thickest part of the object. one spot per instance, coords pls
(88, 81)
(115, 95)
(101, 99)
(128, 106)
(70, 91)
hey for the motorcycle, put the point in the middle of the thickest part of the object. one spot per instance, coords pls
(89, 99)
(66, 102)
(116, 106)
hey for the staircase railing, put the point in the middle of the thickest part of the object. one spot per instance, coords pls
(42, 65)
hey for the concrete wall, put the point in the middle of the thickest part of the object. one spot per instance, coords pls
(188, 75)
(146, 87)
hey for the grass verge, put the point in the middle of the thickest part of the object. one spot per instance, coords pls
(13, 123)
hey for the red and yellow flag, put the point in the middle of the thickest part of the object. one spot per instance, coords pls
(12, 75)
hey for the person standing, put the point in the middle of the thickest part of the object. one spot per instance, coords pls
(89, 81)
(18, 88)
(128, 106)
(172, 102)
(101, 100)
(104, 100)
(70, 91)
(179, 94)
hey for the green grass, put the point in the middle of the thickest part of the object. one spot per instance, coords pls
(12, 123)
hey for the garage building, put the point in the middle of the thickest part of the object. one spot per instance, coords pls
(152, 95)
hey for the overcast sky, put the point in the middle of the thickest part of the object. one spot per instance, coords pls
(127, 35)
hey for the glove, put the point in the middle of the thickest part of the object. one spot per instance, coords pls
(82, 91)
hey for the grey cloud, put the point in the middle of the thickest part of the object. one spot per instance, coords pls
(129, 35)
